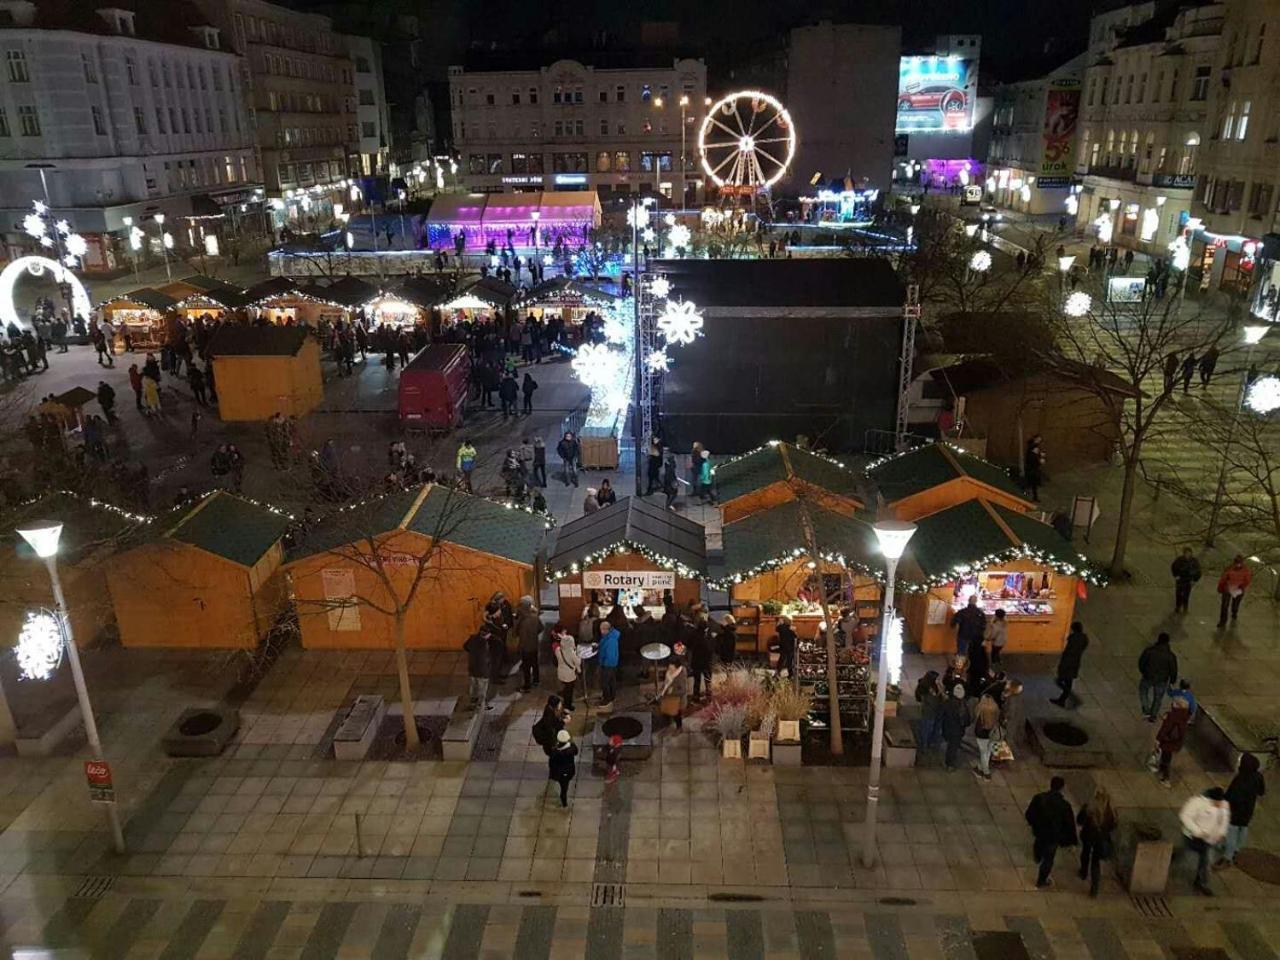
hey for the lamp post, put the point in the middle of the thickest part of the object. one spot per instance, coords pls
(44, 541)
(893, 536)
(1253, 334)
(684, 106)
(165, 242)
(1065, 263)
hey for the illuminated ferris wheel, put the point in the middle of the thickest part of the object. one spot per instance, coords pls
(746, 142)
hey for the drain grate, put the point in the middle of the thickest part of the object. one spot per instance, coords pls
(1152, 907)
(607, 895)
(93, 888)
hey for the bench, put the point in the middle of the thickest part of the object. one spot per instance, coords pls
(460, 735)
(899, 742)
(359, 728)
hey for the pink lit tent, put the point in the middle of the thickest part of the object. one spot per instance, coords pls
(483, 217)
(453, 212)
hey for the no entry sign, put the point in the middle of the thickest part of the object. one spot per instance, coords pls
(98, 773)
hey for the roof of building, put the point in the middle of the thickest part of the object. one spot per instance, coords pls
(534, 57)
(562, 290)
(845, 282)
(272, 287)
(776, 536)
(163, 21)
(349, 291)
(420, 291)
(487, 290)
(932, 465)
(984, 373)
(631, 524)
(243, 340)
(782, 461)
(147, 296)
(230, 527)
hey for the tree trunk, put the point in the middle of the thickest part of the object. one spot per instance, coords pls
(1126, 513)
(406, 695)
(833, 686)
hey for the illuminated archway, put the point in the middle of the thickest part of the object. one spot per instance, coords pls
(38, 267)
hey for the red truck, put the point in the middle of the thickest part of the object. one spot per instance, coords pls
(433, 387)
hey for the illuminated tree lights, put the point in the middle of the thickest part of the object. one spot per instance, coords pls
(680, 322)
(1078, 304)
(40, 645)
(1263, 395)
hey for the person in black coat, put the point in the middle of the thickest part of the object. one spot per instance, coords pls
(970, 624)
(786, 648)
(479, 668)
(1053, 825)
(727, 640)
(1186, 571)
(700, 648)
(508, 391)
(955, 721)
(1243, 793)
(562, 764)
(1069, 664)
(550, 724)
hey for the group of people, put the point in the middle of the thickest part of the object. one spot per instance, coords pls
(1233, 583)
(1186, 367)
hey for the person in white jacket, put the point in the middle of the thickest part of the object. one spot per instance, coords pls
(568, 665)
(1205, 818)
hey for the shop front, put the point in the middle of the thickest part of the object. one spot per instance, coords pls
(142, 318)
(485, 298)
(411, 303)
(284, 302)
(566, 299)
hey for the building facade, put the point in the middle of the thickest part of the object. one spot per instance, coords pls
(134, 117)
(943, 128)
(373, 124)
(572, 126)
(1144, 116)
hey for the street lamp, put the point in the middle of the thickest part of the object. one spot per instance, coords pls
(1252, 335)
(684, 106)
(893, 536)
(166, 241)
(44, 541)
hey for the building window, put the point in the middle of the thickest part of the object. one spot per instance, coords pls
(577, 95)
(604, 128)
(1200, 84)
(159, 120)
(488, 98)
(646, 94)
(621, 161)
(515, 97)
(648, 158)
(568, 163)
(533, 95)
(362, 65)
(620, 93)
(535, 130)
(164, 72)
(558, 129)
(4, 123)
(604, 96)
(368, 129)
(603, 161)
(131, 70)
(1243, 127)
(1128, 89)
(621, 129)
(1158, 90)
(579, 128)
(557, 96)
(29, 121)
(1142, 88)
(90, 71)
(1103, 97)
(99, 121)
(18, 66)
(475, 164)
(366, 98)
(1229, 121)
(1093, 89)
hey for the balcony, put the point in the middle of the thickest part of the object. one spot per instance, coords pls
(1113, 171)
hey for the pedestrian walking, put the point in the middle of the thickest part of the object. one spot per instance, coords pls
(107, 400)
(1069, 664)
(670, 481)
(654, 466)
(786, 643)
(195, 379)
(929, 696)
(1186, 573)
(1171, 365)
(986, 720)
(1053, 825)
(508, 392)
(568, 665)
(1189, 363)
(150, 397)
(970, 624)
(1205, 819)
(135, 381)
(528, 630)
(562, 765)
(570, 453)
(1157, 668)
(674, 696)
(527, 386)
(466, 462)
(548, 727)
(955, 721)
(1097, 821)
(1169, 739)
(1033, 466)
(1208, 363)
(1247, 787)
(539, 461)
(1232, 585)
(479, 669)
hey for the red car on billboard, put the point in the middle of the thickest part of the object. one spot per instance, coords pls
(950, 101)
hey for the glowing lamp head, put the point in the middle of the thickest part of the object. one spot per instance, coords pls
(893, 536)
(915, 208)
(159, 218)
(43, 540)
(1064, 263)
(980, 262)
(1263, 395)
(970, 230)
(1254, 332)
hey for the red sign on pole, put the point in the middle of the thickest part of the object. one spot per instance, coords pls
(98, 773)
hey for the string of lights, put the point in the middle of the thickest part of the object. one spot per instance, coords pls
(788, 557)
(681, 570)
(771, 445)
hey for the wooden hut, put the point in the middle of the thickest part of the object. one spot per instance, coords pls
(485, 295)
(409, 303)
(141, 318)
(933, 477)
(208, 580)
(352, 293)
(567, 297)
(632, 546)
(780, 472)
(200, 296)
(461, 549)
(260, 371)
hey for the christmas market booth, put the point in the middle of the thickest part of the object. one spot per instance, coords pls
(939, 475)
(1011, 561)
(200, 296)
(350, 293)
(631, 548)
(483, 297)
(410, 303)
(142, 318)
(285, 302)
(349, 571)
(779, 472)
(208, 577)
(261, 371)
(568, 298)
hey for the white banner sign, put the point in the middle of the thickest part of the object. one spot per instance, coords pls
(629, 580)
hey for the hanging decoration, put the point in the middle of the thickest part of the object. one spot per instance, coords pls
(980, 262)
(40, 645)
(616, 328)
(661, 287)
(680, 236)
(680, 322)
(638, 216)
(893, 649)
(597, 365)
(1263, 395)
(658, 361)
(1078, 304)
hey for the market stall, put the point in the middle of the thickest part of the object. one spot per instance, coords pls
(460, 549)
(351, 293)
(1011, 561)
(780, 472)
(567, 298)
(631, 549)
(930, 478)
(200, 296)
(206, 579)
(285, 302)
(483, 297)
(410, 303)
(261, 371)
(142, 318)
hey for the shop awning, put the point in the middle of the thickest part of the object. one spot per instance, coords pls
(145, 297)
(783, 462)
(564, 292)
(929, 466)
(420, 292)
(775, 537)
(461, 209)
(635, 526)
(977, 535)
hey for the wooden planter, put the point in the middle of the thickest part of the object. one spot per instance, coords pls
(788, 730)
(731, 749)
(786, 753)
(758, 746)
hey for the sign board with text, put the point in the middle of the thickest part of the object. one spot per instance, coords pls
(629, 580)
(98, 774)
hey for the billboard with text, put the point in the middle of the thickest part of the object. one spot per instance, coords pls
(936, 94)
(1061, 113)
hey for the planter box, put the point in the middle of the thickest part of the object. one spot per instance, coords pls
(1143, 858)
(731, 749)
(757, 746)
(891, 708)
(786, 753)
(788, 730)
(899, 743)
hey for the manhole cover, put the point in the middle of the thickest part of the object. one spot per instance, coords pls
(1260, 866)
(998, 945)
(1065, 734)
(628, 728)
(199, 725)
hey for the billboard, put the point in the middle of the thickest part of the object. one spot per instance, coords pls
(1061, 113)
(936, 94)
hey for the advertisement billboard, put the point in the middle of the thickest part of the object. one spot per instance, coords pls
(936, 94)
(1061, 113)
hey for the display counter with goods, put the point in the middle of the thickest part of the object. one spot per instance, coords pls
(854, 685)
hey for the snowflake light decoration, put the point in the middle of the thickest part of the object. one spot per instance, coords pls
(1264, 395)
(658, 361)
(596, 365)
(62, 227)
(34, 225)
(669, 219)
(39, 648)
(547, 260)
(46, 241)
(1078, 304)
(649, 235)
(638, 217)
(661, 287)
(76, 245)
(980, 262)
(680, 235)
(616, 329)
(680, 322)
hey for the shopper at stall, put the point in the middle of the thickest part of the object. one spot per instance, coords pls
(700, 647)
(1052, 825)
(955, 721)
(1247, 787)
(1205, 819)
(568, 664)
(1069, 664)
(674, 696)
(985, 721)
(929, 696)
(562, 765)
(528, 630)
(1232, 585)
(1170, 738)
(608, 654)
(1098, 821)
(996, 634)
(1186, 573)
(1157, 668)
(727, 641)
(786, 642)
(970, 624)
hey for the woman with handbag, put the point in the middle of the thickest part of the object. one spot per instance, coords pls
(1098, 822)
(675, 692)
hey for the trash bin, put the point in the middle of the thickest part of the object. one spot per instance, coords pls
(1143, 856)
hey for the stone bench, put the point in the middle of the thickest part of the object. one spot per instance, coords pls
(899, 742)
(357, 731)
(459, 736)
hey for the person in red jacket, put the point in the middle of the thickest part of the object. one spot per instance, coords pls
(1232, 584)
(1170, 738)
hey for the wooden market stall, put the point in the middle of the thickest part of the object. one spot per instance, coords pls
(461, 548)
(1011, 560)
(631, 546)
(285, 302)
(352, 293)
(410, 303)
(260, 371)
(566, 297)
(939, 475)
(142, 318)
(780, 472)
(209, 578)
(485, 296)
(200, 296)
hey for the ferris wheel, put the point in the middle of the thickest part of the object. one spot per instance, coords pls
(746, 142)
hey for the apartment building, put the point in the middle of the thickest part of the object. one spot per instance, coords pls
(128, 114)
(1144, 117)
(571, 126)
(372, 123)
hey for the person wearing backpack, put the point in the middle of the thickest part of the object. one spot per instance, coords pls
(562, 764)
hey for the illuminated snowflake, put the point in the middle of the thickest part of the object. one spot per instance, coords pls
(46, 241)
(596, 365)
(980, 262)
(638, 217)
(658, 361)
(669, 219)
(681, 235)
(660, 287)
(39, 647)
(39, 207)
(616, 329)
(62, 227)
(546, 260)
(649, 235)
(76, 245)
(34, 224)
(680, 322)
(1264, 395)
(1078, 304)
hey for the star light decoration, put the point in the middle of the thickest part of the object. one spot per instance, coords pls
(596, 365)
(680, 322)
(1078, 304)
(648, 235)
(680, 235)
(658, 361)
(616, 329)
(638, 217)
(660, 287)
(40, 645)
(1263, 395)
(36, 226)
(980, 262)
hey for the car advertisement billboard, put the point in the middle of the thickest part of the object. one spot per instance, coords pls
(936, 94)
(1061, 113)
